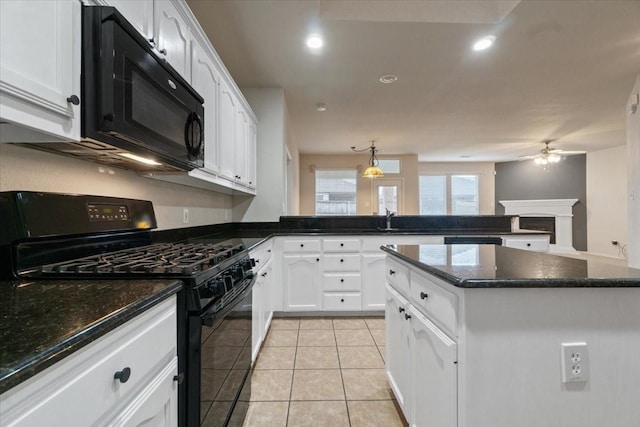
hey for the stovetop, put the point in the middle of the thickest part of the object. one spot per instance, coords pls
(162, 259)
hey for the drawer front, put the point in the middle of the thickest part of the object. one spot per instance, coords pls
(341, 245)
(341, 282)
(145, 345)
(261, 256)
(528, 244)
(434, 301)
(342, 301)
(301, 245)
(397, 275)
(373, 244)
(341, 262)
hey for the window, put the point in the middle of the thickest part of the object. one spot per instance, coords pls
(389, 165)
(449, 195)
(335, 192)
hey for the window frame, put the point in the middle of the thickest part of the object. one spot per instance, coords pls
(355, 192)
(448, 191)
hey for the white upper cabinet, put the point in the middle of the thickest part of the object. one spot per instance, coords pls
(205, 79)
(139, 13)
(252, 153)
(40, 67)
(173, 36)
(240, 146)
(228, 106)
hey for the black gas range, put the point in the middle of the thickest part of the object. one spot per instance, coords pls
(80, 237)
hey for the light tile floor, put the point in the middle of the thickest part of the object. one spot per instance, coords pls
(322, 372)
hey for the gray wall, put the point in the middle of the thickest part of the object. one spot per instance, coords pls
(567, 179)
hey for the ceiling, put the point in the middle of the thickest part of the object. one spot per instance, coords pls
(560, 69)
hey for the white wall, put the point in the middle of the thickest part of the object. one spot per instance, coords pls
(27, 169)
(486, 181)
(607, 201)
(269, 202)
(633, 180)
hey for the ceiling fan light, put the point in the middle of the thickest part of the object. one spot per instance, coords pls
(373, 172)
(554, 158)
(540, 161)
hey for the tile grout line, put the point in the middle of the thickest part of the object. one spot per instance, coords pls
(344, 389)
(293, 372)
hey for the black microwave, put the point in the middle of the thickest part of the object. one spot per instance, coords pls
(136, 109)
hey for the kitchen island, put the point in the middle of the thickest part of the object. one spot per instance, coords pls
(483, 336)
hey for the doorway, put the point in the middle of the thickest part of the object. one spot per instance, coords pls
(387, 193)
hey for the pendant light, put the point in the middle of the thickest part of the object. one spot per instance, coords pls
(373, 171)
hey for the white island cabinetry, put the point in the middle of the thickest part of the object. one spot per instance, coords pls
(491, 355)
(126, 377)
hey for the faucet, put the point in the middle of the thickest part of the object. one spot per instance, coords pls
(389, 215)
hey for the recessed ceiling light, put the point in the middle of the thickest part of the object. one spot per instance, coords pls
(388, 78)
(484, 43)
(321, 107)
(315, 42)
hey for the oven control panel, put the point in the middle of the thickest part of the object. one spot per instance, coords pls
(107, 213)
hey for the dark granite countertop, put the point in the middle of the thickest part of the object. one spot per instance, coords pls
(491, 266)
(42, 322)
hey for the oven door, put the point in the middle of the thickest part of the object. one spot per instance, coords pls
(133, 99)
(224, 365)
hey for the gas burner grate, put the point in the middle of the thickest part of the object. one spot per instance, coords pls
(159, 259)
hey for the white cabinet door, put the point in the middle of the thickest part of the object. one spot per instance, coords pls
(373, 273)
(40, 65)
(398, 347)
(156, 405)
(257, 328)
(205, 79)
(139, 13)
(227, 130)
(302, 282)
(173, 37)
(240, 146)
(252, 153)
(267, 299)
(434, 375)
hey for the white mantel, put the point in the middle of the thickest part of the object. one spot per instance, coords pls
(561, 209)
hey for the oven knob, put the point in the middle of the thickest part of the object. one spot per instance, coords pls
(217, 287)
(228, 282)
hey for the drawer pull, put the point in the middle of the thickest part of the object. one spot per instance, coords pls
(401, 309)
(122, 376)
(407, 316)
(391, 272)
(341, 280)
(341, 244)
(341, 260)
(424, 295)
(317, 259)
(302, 245)
(263, 274)
(341, 299)
(528, 244)
(179, 378)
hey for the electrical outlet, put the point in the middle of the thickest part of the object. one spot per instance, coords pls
(185, 216)
(575, 362)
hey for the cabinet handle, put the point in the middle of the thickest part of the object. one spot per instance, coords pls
(163, 51)
(424, 295)
(302, 245)
(73, 99)
(528, 244)
(341, 260)
(317, 259)
(341, 244)
(257, 260)
(269, 250)
(341, 280)
(407, 316)
(152, 41)
(179, 378)
(401, 309)
(122, 376)
(341, 299)
(264, 274)
(391, 272)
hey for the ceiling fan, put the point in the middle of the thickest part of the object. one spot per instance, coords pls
(549, 154)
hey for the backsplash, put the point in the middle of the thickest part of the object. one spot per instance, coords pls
(27, 169)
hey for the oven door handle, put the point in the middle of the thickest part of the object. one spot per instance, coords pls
(208, 316)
